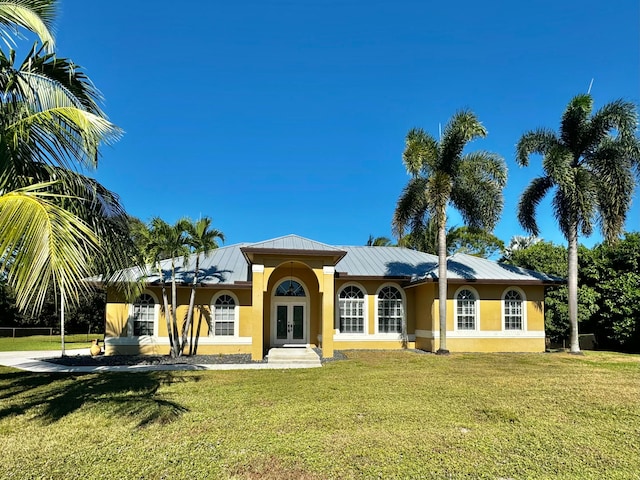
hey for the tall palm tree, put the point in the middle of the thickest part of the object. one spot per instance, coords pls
(201, 239)
(443, 175)
(590, 165)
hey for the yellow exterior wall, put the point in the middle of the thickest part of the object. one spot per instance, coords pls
(254, 315)
(495, 344)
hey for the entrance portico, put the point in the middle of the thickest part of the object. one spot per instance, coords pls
(292, 295)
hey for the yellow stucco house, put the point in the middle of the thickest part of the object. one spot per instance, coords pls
(292, 291)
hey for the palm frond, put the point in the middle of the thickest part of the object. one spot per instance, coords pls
(613, 170)
(34, 15)
(538, 141)
(463, 127)
(62, 135)
(529, 201)
(421, 149)
(47, 245)
(575, 122)
(412, 208)
(64, 74)
(620, 116)
(477, 189)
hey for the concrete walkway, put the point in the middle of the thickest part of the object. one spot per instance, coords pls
(33, 362)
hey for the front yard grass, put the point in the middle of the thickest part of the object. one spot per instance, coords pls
(375, 415)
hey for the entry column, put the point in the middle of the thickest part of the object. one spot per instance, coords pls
(257, 316)
(328, 310)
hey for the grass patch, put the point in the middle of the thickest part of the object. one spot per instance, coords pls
(46, 342)
(376, 415)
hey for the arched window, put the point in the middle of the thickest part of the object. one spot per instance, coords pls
(224, 316)
(466, 310)
(513, 315)
(144, 315)
(290, 288)
(390, 310)
(351, 308)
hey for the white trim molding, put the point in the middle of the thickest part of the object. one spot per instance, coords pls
(482, 334)
(365, 309)
(523, 306)
(329, 270)
(378, 337)
(476, 309)
(257, 268)
(236, 316)
(153, 340)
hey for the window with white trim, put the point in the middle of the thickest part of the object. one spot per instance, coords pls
(144, 315)
(513, 310)
(224, 316)
(351, 308)
(466, 310)
(390, 310)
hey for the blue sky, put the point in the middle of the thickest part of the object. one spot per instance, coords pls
(278, 117)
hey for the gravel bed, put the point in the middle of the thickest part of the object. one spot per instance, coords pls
(115, 360)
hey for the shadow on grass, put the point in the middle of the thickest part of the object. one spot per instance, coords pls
(53, 396)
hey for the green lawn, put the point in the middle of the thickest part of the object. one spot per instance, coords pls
(376, 415)
(46, 342)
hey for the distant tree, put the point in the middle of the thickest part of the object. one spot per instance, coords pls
(442, 175)
(473, 241)
(518, 242)
(379, 242)
(552, 259)
(613, 275)
(590, 165)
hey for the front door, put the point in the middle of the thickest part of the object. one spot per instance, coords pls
(290, 324)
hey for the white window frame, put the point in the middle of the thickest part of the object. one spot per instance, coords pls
(476, 310)
(403, 306)
(156, 316)
(365, 310)
(523, 299)
(236, 316)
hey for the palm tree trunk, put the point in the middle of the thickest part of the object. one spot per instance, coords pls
(442, 280)
(165, 302)
(192, 301)
(572, 284)
(175, 351)
(62, 301)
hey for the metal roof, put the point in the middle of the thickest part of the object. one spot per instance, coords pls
(461, 266)
(293, 242)
(385, 262)
(229, 265)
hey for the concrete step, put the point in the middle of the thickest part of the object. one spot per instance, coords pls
(293, 355)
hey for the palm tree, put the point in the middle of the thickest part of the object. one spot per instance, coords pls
(169, 242)
(590, 165)
(443, 175)
(201, 239)
(57, 226)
